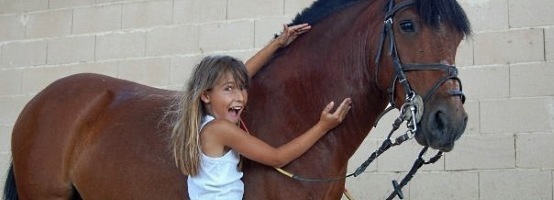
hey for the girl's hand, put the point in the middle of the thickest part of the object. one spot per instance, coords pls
(289, 34)
(329, 120)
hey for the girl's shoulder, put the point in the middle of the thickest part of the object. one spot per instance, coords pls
(223, 132)
(220, 125)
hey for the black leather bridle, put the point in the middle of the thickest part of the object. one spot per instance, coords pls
(400, 69)
(411, 111)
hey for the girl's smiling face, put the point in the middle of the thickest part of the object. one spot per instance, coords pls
(226, 99)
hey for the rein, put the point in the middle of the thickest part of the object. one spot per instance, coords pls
(410, 112)
(388, 143)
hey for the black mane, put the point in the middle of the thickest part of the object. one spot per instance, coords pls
(321, 9)
(431, 12)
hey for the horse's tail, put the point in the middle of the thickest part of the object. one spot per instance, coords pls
(10, 189)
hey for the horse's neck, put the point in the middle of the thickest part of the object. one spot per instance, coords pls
(329, 63)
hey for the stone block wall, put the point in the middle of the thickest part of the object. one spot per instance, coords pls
(506, 68)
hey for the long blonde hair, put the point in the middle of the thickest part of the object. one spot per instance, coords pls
(189, 108)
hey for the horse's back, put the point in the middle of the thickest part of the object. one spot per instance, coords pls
(100, 136)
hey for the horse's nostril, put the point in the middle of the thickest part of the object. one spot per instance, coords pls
(440, 121)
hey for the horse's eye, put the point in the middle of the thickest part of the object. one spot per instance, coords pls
(407, 26)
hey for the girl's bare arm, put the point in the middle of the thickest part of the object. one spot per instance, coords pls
(255, 149)
(288, 35)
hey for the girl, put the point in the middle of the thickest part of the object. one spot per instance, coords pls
(206, 138)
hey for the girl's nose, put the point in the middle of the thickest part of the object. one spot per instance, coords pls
(239, 96)
(242, 95)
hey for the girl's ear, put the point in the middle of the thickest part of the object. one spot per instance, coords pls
(205, 97)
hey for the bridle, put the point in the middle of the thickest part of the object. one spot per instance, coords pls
(411, 111)
(400, 69)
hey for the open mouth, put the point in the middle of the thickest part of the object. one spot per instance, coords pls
(235, 110)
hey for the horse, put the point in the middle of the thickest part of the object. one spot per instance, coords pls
(89, 136)
(365, 57)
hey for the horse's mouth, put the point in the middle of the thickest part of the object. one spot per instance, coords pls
(438, 139)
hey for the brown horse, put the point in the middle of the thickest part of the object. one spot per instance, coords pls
(90, 136)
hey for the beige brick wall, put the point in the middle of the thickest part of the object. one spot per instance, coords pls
(506, 68)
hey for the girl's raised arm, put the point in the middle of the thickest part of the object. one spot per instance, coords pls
(288, 35)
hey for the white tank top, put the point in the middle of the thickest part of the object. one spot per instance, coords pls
(218, 178)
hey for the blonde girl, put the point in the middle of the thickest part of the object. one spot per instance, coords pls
(206, 139)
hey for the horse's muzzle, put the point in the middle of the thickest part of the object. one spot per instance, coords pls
(440, 128)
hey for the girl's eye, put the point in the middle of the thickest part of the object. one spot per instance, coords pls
(407, 26)
(229, 87)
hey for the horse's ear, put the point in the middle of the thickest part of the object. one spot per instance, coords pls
(205, 97)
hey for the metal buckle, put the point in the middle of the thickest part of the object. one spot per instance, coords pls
(388, 21)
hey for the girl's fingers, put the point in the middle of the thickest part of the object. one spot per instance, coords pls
(343, 109)
(290, 33)
(300, 28)
(286, 28)
(329, 106)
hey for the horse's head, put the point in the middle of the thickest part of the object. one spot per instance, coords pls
(416, 65)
